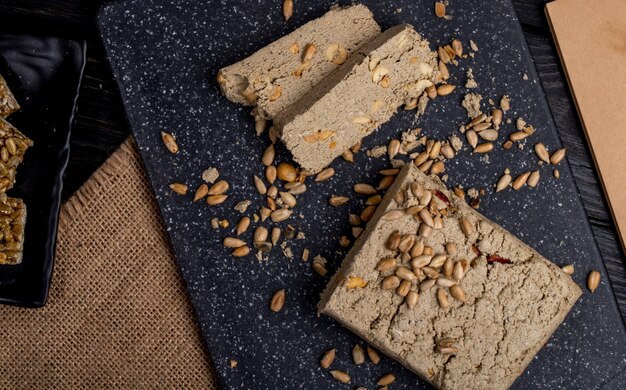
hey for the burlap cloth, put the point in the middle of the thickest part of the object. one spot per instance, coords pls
(118, 314)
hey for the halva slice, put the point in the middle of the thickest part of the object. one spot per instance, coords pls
(13, 145)
(12, 222)
(360, 96)
(445, 291)
(8, 104)
(279, 74)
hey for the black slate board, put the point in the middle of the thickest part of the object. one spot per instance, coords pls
(165, 56)
(44, 73)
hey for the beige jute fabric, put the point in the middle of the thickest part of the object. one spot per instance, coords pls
(118, 314)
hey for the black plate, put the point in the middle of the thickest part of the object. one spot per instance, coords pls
(44, 73)
(165, 55)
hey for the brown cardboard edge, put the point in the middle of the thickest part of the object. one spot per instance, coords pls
(620, 233)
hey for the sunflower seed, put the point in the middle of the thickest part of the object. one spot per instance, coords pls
(496, 117)
(442, 298)
(169, 141)
(393, 241)
(438, 261)
(405, 274)
(520, 180)
(489, 135)
(392, 215)
(467, 227)
(276, 93)
(457, 46)
(268, 155)
(373, 355)
(201, 192)
(518, 136)
(309, 52)
(458, 272)
(445, 89)
(542, 152)
(280, 215)
(213, 200)
(336, 200)
(390, 282)
(232, 242)
(443, 55)
(425, 230)
(426, 285)
(505, 104)
(430, 272)
(448, 268)
(411, 299)
(593, 280)
(288, 199)
(287, 9)
(298, 189)
(241, 251)
(437, 168)
(328, 358)
(341, 376)
(440, 9)
(264, 212)
(557, 156)
(447, 151)
(367, 213)
(386, 264)
(393, 148)
(325, 174)
(242, 225)
(179, 188)
(355, 282)
(386, 379)
(533, 179)
(379, 72)
(260, 186)
(445, 282)
(336, 54)
(481, 126)
(421, 261)
(358, 354)
(260, 234)
(271, 203)
(484, 147)
(364, 189)
(472, 138)
(426, 217)
(556, 174)
(278, 301)
(504, 182)
(568, 269)
(507, 145)
(389, 172)
(286, 172)
(219, 188)
(348, 155)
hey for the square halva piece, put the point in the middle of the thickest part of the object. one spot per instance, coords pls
(364, 93)
(430, 275)
(279, 74)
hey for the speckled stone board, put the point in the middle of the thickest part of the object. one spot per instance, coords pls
(165, 55)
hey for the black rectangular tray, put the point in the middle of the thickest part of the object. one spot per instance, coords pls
(44, 73)
(165, 55)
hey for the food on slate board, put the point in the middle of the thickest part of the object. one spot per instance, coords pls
(12, 222)
(13, 145)
(430, 275)
(364, 93)
(279, 74)
(8, 104)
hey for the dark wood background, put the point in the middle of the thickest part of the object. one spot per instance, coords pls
(101, 124)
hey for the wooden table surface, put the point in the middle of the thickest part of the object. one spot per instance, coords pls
(101, 124)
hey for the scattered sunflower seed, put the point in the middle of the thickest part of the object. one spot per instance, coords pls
(287, 9)
(386, 380)
(201, 192)
(325, 174)
(593, 280)
(179, 188)
(170, 142)
(373, 355)
(557, 156)
(278, 301)
(358, 354)
(213, 200)
(336, 200)
(219, 188)
(328, 358)
(341, 376)
(568, 269)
